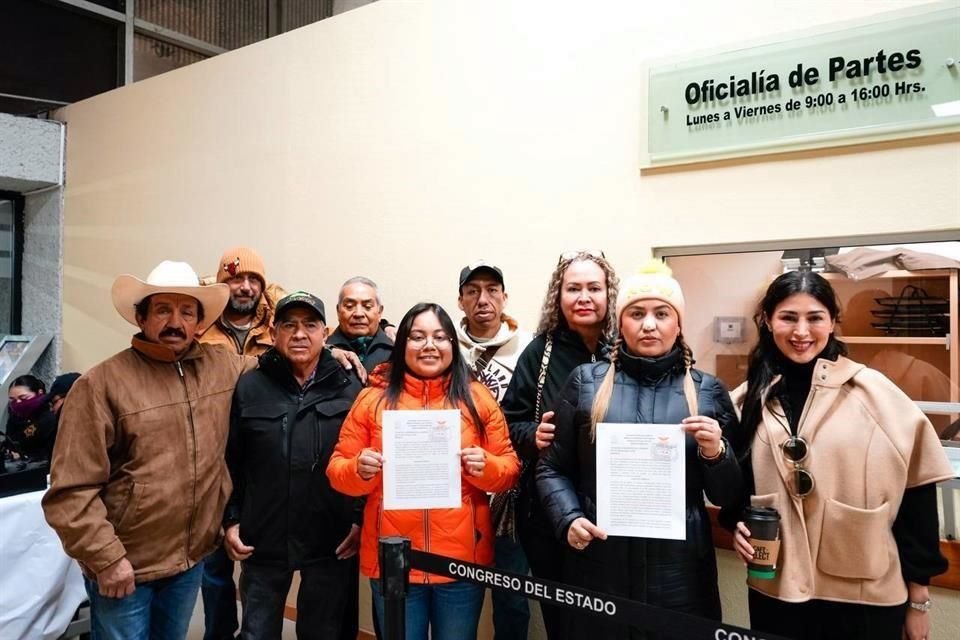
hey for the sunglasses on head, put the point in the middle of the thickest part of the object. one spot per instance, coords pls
(795, 450)
(582, 253)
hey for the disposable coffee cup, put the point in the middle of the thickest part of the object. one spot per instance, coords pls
(764, 526)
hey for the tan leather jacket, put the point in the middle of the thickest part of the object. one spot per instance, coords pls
(868, 442)
(138, 467)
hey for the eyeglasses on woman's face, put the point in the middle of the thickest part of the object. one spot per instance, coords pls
(800, 481)
(419, 340)
(426, 331)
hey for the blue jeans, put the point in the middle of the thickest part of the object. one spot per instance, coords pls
(450, 611)
(219, 597)
(156, 610)
(511, 613)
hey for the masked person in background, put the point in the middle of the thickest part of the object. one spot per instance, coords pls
(32, 426)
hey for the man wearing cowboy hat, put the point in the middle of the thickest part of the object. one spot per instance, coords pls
(138, 476)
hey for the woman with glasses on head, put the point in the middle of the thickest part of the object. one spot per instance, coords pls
(850, 463)
(650, 379)
(427, 371)
(576, 325)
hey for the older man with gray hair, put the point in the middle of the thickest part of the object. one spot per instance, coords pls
(360, 330)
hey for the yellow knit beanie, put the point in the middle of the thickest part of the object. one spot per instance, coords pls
(653, 281)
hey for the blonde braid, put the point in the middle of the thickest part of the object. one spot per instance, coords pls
(689, 388)
(601, 401)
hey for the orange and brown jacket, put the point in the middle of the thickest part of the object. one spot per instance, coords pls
(259, 338)
(465, 533)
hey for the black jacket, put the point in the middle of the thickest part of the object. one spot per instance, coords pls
(378, 351)
(34, 436)
(519, 405)
(677, 574)
(281, 439)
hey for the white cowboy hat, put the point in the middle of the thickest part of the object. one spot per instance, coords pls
(169, 277)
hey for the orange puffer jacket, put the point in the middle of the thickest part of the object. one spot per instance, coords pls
(465, 533)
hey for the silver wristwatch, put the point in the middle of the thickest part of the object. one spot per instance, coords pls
(924, 606)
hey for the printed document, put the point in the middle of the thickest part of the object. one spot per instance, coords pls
(641, 480)
(421, 461)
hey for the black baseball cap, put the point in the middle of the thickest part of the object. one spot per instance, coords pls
(300, 299)
(467, 273)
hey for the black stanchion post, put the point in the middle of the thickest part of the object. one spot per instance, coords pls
(394, 578)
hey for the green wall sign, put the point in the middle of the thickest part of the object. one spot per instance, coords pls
(895, 77)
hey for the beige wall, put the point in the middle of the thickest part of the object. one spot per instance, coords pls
(721, 286)
(404, 139)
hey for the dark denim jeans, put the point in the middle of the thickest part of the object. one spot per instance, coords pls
(156, 610)
(219, 597)
(449, 611)
(511, 613)
(327, 603)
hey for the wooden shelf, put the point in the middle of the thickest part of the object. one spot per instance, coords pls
(939, 341)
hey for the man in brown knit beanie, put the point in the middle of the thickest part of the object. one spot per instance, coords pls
(245, 323)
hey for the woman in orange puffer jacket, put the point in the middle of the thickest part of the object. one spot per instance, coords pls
(426, 371)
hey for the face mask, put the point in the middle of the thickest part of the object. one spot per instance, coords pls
(27, 408)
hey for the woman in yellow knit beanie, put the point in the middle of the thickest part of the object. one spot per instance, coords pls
(650, 379)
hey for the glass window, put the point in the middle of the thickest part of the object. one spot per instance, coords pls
(225, 24)
(9, 278)
(53, 53)
(152, 57)
(298, 13)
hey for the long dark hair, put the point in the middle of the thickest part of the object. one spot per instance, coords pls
(762, 363)
(457, 376)
(33, 383)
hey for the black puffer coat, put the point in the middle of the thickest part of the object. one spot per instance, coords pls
(34, 436)
(281, 440)
(676, 574)
(519, 406)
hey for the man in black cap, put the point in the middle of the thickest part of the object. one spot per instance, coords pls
(283, 516)
(490, 340)
(60, 388)
(491, 343)
(57, 394)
